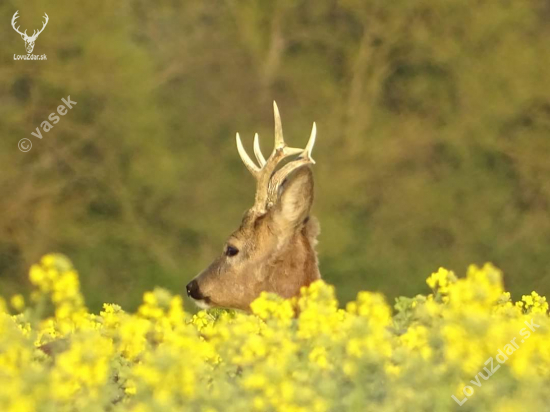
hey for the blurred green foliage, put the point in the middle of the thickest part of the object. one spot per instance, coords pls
(433, 136)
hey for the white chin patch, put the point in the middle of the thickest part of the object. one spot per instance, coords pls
(201, 304)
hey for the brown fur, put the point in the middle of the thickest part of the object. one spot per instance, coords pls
(276, 251)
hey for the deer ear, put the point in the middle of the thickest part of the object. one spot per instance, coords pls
(295, 200)
(23, 36)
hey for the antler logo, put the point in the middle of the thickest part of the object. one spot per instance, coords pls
(29, 40)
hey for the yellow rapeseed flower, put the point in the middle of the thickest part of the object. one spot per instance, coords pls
(301, 354)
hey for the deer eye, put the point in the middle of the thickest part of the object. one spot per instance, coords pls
(231, 251)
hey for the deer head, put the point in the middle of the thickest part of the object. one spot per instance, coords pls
(273, 249)
(29, 41)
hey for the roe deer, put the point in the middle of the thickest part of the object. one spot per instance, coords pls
(273, 249)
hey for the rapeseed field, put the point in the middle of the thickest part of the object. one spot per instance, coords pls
(465, 346)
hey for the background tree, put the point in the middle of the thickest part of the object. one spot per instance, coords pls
(433, 119)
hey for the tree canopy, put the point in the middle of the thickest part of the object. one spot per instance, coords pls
(433, 136)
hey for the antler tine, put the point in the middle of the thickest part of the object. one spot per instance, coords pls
(35, 35)
(13, 21)
(255, 170)
(257, 151)
(280, 176)
(279, 140)
(15, 17)
(47, 20)
(267, 181)
(280, 144)
(310, 144)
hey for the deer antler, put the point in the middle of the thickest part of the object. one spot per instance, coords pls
(267, 180)
(34, 36)
(279, 177)
(15, 17)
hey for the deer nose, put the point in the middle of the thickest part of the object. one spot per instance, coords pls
(193, 290)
